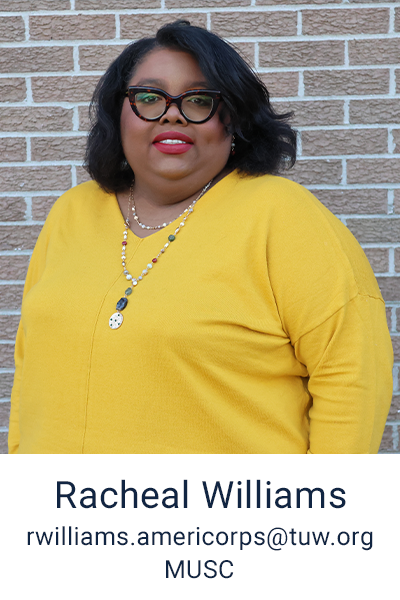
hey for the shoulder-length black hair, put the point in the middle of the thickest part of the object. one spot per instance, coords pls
(265, 142)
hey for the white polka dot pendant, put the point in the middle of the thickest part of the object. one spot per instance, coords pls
(116, 320)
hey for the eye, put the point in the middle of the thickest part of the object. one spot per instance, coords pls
(148, 98)
(198, 100)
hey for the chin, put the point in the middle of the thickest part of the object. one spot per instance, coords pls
(174, 174)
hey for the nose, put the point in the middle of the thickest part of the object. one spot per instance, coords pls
(173, 115)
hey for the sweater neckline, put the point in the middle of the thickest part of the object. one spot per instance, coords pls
(230, 178)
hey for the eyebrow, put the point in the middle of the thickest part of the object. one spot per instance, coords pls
(161, 84)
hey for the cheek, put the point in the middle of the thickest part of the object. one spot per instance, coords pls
(125, 115)
(131, 126)
(220, 139)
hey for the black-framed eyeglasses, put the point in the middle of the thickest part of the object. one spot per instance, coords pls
(150, 104)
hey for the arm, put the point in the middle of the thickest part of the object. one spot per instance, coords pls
(35, 270)
(332, 310)
(349, 358)
(13, 432)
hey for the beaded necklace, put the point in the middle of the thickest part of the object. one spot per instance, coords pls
(142, 225)
(117, 318)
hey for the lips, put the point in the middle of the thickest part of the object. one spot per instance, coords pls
(173, 135)
(172, 142)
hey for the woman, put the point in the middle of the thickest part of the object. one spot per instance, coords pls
(187, 300)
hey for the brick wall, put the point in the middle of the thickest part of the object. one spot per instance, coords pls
(336, 64)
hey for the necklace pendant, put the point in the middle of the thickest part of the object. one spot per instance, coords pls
(115, 321)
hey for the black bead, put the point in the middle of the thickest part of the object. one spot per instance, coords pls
(122, 303)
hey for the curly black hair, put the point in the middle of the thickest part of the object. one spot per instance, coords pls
(265, 142)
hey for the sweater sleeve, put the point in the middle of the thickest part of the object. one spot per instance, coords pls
(35, 270)
(349, 358)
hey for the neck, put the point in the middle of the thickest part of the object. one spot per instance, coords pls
(155, 206)
(171, 193)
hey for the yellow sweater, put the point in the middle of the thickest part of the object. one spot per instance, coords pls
(260, 330)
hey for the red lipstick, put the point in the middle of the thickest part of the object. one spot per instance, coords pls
(172, 142)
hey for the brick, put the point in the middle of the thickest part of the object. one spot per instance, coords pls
(375, 111)
(246, 51)
(8, 327)
(378, 258)
(12, 209)
(12, 90)
(82, 175)
(12, 149)
(346, 82)
(319, 172)
(72, 27)
(115, 4)
(398, 319)
(12, 29)
(397, 77)
(314, 112)
(381, 52)
(396, 347)
(13, 267)
(369, 1)
(3, 443)
(84, 121)
(31, 5)
(254, 23)
(281, 84)
(344, 141)
(137, 26)
(34, 178)
(397, 263)
(387, 444)
(389, 317)
(36, 59)
(397, 20)
(354, 201)
(273, 2)
(98, 57)
(205, 3)
(375, 230)
(394, 412)
(10, 298)
(390, 288)
(32, 118)
(396, 202)
(41, 206)
(4, 413)
(373, 170)
(299, 54)
(346, 21)
(21, 237)
(396, 141)
(64, 89)
(58, 148)
(6, 383)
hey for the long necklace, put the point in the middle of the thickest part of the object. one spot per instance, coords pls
(117, 318)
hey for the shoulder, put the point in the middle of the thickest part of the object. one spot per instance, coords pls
(300, 230)
(78, 203)
(79, 196)
(288, 205)
(278, 193)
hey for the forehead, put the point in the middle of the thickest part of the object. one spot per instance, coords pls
(164, 68)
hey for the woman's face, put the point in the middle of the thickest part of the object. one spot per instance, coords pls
(174, 72)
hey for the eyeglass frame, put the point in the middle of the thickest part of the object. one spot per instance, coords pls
(133, 90)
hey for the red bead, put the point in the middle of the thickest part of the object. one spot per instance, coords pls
(153, 260)
(124, 243)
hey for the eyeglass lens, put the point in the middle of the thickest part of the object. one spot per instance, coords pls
(152, 105)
